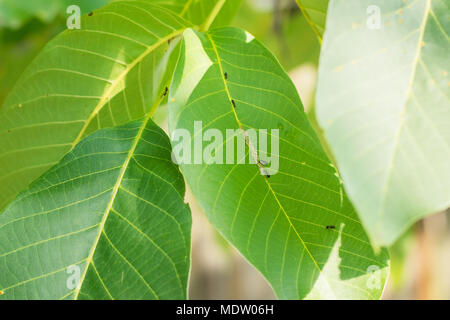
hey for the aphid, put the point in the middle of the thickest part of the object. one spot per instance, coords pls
(267, 176)
(331, 227)
(165, 91)
(90, 14)
(225, 75)
(233, 103)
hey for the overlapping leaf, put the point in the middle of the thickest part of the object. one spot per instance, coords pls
(315, 11)
(278, 220)
(111, 71)
(107, 222)
(383, 101)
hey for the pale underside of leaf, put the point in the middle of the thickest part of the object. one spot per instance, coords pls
(277, 222)
(384, 106)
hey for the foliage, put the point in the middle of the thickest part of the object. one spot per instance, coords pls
(93, 202)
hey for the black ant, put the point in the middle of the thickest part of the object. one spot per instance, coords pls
(331, 227)
(165, 91)
(233, 103)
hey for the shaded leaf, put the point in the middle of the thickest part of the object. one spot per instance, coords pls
(113, 70)
(111, 212)
(15, 13)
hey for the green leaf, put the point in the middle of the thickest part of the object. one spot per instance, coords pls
(383, 101)
(111, 214)
(203, 13)
(279, 223)
(199, 12)
(113, 70)
(15, 13)
(315, 11)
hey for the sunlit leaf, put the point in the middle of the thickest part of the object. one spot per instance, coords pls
(315, 11)
(113, 70)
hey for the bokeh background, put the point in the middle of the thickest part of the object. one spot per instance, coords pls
(420, 260)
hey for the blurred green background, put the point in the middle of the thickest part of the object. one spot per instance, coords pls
(420, 260)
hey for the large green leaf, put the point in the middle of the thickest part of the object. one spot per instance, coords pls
(15, 13)
(111, 212)
(315, 11)
(279, 223)
(203, 13)
(383, 101)
(113, 70)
